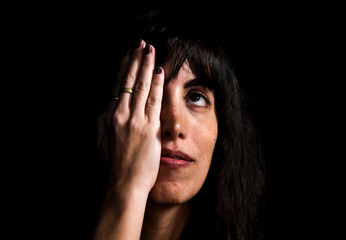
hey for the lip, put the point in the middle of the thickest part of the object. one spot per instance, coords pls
(175, 159)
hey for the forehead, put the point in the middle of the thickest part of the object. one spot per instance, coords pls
(185, 74)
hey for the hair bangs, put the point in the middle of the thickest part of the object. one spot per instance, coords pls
(199, 58)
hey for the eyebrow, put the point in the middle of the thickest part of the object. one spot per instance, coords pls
(199, 82)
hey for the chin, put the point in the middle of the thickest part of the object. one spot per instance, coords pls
(170, 193)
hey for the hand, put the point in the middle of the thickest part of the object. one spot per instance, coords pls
(129, 129)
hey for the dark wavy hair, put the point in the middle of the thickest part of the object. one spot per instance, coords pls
(230, 201)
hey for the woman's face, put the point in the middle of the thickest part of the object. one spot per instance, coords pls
(188, 132)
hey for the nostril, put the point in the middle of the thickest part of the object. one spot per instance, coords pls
(168, 134)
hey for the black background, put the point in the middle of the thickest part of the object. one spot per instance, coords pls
(69, 49)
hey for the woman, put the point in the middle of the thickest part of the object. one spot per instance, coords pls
(185, 162)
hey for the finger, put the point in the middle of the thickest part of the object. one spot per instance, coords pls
(143, 83)
(154, 102)
(130, 76)
(116, 89)
(123, 67)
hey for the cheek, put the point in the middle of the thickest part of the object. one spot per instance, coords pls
(204, 139)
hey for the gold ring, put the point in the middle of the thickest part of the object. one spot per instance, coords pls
(115, 98)
(127, 90)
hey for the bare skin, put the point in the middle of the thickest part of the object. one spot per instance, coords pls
(148, 199)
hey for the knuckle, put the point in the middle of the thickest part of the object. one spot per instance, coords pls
(130, 77)
(141, 85)
(156, 83)
(153, 101)
(146, 64)
(134, 125)
(137, 129)
(117, 122)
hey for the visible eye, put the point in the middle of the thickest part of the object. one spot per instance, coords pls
(198, 99)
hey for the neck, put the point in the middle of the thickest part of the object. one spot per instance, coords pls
(165, 221)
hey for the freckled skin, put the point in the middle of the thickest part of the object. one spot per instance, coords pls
(193, 130)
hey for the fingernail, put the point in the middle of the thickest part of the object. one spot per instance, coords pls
(158, 70)
(147, 49)
(136, 43)
(140, 43)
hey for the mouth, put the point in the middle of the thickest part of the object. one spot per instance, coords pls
(175, 159)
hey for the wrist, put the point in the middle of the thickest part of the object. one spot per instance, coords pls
(122, 196)
(131, 195)
(128, 186)
(122, 213)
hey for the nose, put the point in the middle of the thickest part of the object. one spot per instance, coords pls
(174, 124)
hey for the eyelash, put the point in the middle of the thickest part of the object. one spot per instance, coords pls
(195, 93)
